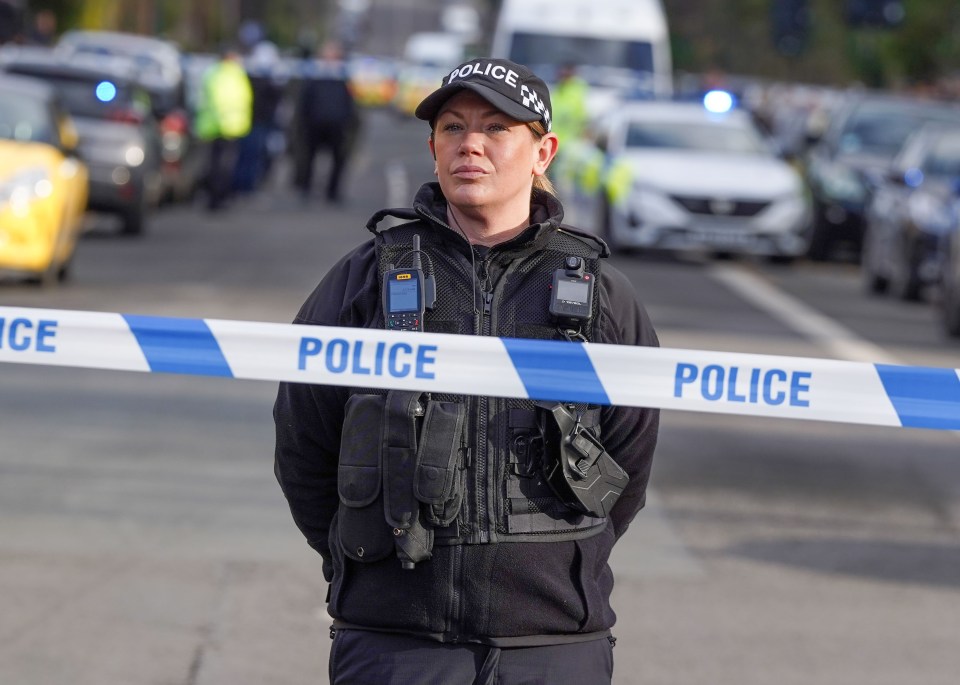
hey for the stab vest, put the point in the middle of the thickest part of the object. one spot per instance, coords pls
(462, 469)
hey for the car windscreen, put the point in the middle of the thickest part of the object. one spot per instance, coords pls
(944, 157)
(164, 89)
(24, 118)
(538, 51)
(94, 98)
(694, 136)
(882, 128)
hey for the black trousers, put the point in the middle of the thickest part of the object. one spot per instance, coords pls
(316, 139)
(362, 657)
(223, 159)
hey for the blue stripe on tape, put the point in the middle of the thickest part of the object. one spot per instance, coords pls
(923, 397)
(174, 345)
(553, 370)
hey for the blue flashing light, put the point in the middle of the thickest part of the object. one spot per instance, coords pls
(106, 91)
(913, 177)
(718, 101)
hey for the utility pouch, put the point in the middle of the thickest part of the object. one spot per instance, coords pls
(525, 436)
(437, 481)
(402, 413)
(584, 475)
(364, 535)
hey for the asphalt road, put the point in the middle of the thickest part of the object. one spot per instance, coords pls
(144, 541)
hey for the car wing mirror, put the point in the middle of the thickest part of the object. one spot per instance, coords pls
(69, 138)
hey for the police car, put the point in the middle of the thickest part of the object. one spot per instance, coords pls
(684, 176)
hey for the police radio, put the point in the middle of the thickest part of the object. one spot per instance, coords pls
(407, 294)
(571, 295)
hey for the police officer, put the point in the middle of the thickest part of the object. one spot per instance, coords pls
(223, 118)
(455, 544)
(570, 111)
(570, 116)
(326, 118)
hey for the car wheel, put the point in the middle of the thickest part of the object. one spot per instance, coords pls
(134, 219)
(605, 225)
(818, 249)
(781, 259)
(905, 281)
(873, 282)
(950, 308)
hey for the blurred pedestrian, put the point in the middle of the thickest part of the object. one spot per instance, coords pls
(570, 116)
(223, 117)
(466, 538)
(44, 29)
(11, 29)
(326, 118)
(267, 83)
(569, 104)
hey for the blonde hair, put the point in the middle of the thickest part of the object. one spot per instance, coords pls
(541, 182)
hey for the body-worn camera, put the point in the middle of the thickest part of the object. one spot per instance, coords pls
(571, 295)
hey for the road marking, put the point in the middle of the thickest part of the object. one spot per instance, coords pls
(398, 189)
(835, 338)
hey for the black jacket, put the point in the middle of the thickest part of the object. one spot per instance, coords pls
(508, 594)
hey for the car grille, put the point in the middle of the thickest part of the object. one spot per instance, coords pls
(712, 206)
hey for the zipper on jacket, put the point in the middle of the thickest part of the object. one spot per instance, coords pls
(483, 412)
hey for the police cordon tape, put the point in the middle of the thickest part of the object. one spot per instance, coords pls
(690, 380)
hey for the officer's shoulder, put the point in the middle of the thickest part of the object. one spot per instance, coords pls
(349, 276)
(401, 219)
(593, 241)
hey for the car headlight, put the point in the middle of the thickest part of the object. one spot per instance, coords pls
(23, 188)
(841, 183)
(134, 155)
(930, 214)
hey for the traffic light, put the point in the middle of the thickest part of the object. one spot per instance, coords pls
(873, 13)
(790, 21)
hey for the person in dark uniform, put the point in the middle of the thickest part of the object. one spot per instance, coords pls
(11, 22)
(455, 547)
(267, 86)
(325, 119)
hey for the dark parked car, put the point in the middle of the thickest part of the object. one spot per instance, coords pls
(113, 113)
(159, 67)
(911, 213)
(949, 300)
(849, 161)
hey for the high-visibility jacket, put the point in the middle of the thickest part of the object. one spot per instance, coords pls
(226, 103)
(618, 181)
(569, 116)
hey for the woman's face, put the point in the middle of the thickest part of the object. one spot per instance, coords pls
(485, 159)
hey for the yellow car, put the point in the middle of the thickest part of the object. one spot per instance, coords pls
(373, 80)
(43, 185)
(414, 84)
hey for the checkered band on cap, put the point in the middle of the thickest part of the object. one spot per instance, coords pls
(532, 101)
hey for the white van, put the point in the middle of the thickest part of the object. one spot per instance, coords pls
(618, 45)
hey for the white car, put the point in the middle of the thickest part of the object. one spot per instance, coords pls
(675, 176)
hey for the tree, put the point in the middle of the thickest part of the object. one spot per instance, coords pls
(878, 13)
(791, 26)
